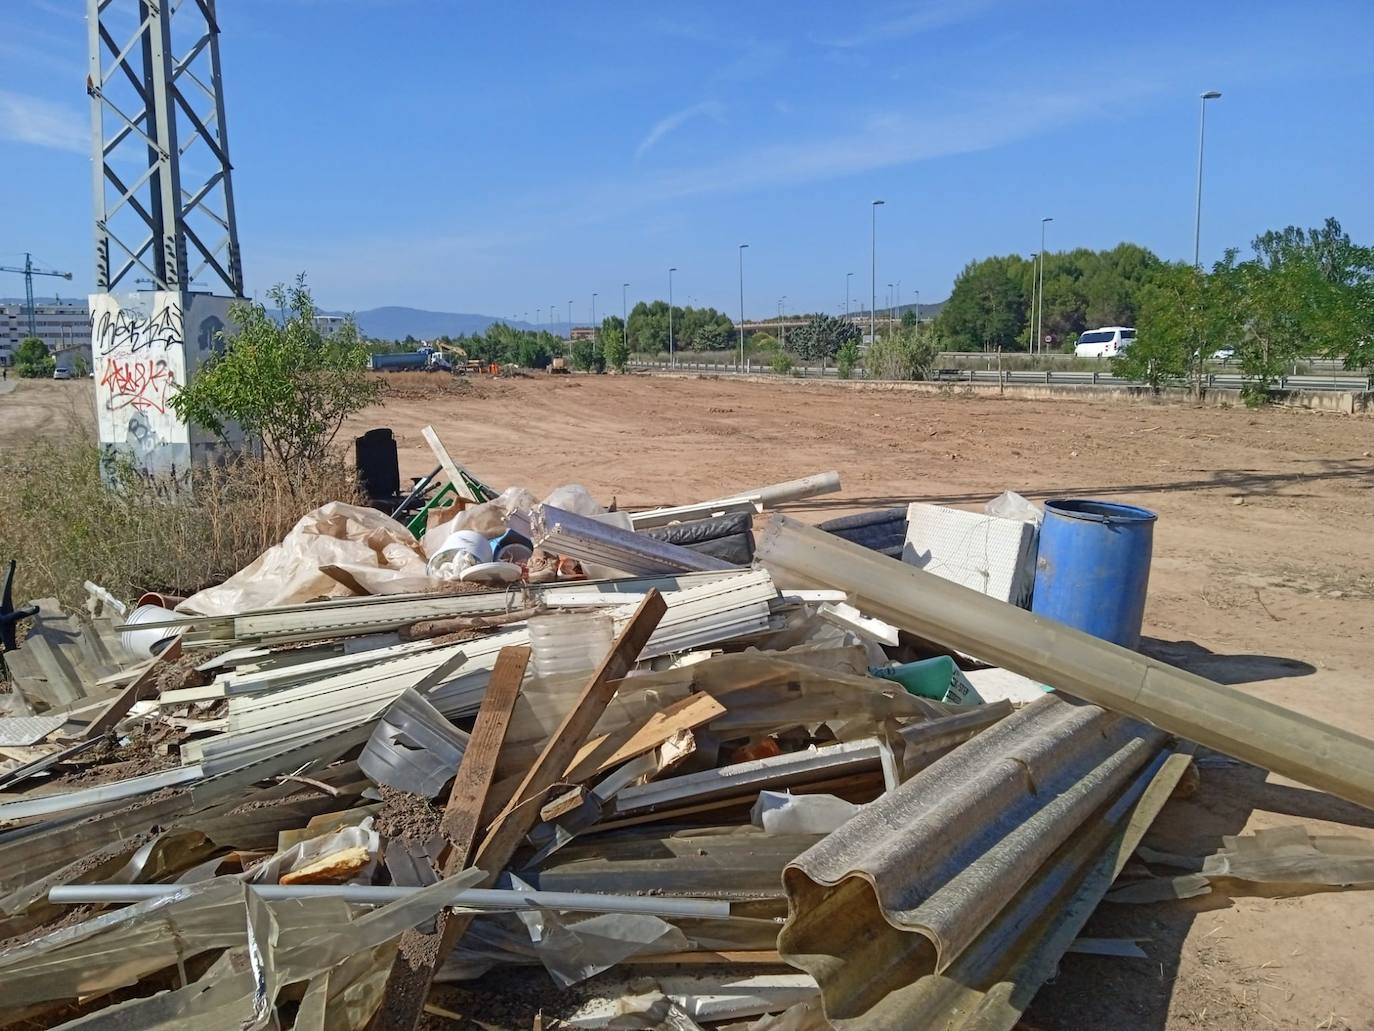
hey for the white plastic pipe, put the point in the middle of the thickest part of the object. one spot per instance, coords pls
(792, 490)
(495, 900)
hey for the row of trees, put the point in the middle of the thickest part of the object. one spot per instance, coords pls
(1301, 293)
(990, 305)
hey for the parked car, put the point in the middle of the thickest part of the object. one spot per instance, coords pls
(61, 373)
(1224, 355)
(1106, 342)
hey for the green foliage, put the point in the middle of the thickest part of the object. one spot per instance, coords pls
(990, 305)
(904, 354)
(80, 365)
(910, 318)
(587, 357)
(281, 382)
(614, 350)
(506, 345)
(760, 345)
(1173, 319)
(31, 359)
(822, 337)
(694, 329)
(781, 363)
(847, 358)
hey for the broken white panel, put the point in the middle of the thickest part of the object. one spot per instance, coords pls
(19, 731)
(995, 685)
(988, 554)
(707, 998)
(845, 615)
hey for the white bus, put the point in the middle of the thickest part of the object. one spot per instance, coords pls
(1105, 342)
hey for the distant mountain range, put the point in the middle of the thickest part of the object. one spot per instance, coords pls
(397, 323)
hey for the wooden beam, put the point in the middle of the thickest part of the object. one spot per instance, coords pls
(421, 953)
(452, 469)
(514, 822)
(612, 749)
(140, 687)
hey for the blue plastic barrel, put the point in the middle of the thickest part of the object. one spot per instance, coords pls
(1094, 567)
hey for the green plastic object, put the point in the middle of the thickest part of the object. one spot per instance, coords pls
(420, 521)
(938, 679)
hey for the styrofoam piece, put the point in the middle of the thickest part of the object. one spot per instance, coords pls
(988, 554)
(995, 685)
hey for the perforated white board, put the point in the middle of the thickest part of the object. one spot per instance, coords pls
(991, 555)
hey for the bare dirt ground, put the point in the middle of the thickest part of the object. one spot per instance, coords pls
(1263, 577)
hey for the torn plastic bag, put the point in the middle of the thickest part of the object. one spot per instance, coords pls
(335, 551)
(490, 519)
(574, 950)
(1010, 505)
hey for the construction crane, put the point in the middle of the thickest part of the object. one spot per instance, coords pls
(28, 272)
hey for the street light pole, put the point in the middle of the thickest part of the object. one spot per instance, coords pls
(1211, 94)
(672, 355)
(742, 248)
(889, 309)
(570, 324)
(1040, 323)
(873, 272)
(594, 332)
(847, 277)
(624, 318)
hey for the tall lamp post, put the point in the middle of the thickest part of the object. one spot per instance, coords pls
(1211, 94)
(742, 248)
(873, 272)
(847, 277)
(672, 355)
(594, 333)
(570, 324)
(624, 318)
(1040, 320)
(890, 295)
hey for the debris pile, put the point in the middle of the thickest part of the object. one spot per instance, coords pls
(544, 764)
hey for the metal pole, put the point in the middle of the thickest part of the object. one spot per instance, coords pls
(1040, 324)
(624, 318)
(1211, 94)
(889, 309)
(847, 277)
(570, 323)
(595, 335)
(672, 355)
(873, 273)
(741, 305)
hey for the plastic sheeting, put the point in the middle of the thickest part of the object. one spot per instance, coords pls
(335, 551)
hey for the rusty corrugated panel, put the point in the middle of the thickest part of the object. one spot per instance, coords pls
(900, 891)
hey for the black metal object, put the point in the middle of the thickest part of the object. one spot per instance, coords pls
(420, 489)
(374, 455)
(9, 615)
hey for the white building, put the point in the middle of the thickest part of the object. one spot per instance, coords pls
(65, 328)
(328, 325)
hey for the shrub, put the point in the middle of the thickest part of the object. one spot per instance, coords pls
(32, 360)
(905, 354)
(66, 525)
(281, 382)
(781, 363)
(846, 358)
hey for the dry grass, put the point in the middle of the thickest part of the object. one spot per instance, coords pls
(66, 526)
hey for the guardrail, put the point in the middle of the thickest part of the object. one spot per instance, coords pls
(1218, 381)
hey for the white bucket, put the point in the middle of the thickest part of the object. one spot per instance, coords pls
(145, 642)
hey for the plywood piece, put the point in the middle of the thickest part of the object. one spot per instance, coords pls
(609, 750)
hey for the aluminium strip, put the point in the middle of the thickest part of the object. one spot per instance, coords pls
(741, 778)
(690, 513)
(491, 900)
(47, 805)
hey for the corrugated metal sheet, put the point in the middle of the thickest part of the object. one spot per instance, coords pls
(900, 891)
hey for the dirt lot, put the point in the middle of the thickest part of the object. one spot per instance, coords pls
(1263, 577)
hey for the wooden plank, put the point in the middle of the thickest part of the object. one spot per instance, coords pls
(612, 749)
(452, 469)
(141, 687)
(520, 814)
(413, 971)
(420, 953)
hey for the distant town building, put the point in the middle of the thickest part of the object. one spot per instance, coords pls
(583, 333)
(328, 325)
(64, 327)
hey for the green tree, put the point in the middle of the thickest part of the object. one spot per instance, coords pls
(32, 360)
(613, 346)
(281, 381)
(905, 354)
(910, 317)
(821, 338)
(847, 358)
(1185, 316)
(587, 357)
(989, 306)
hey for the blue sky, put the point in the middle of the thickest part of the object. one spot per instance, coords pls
(505, 158)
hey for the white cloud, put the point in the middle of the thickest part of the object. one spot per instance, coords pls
(26, 119)
(675, 121)
(912, 19)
